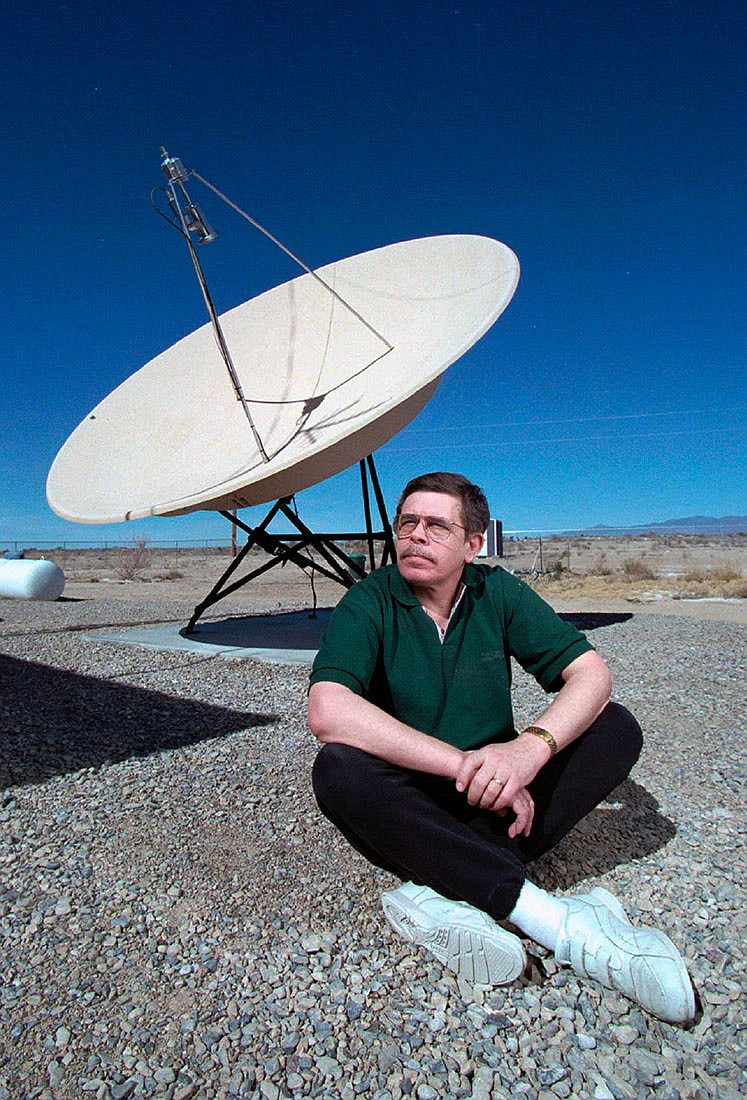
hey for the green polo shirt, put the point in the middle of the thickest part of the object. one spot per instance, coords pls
(381, 645)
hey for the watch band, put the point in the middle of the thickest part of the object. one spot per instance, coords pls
(545, 735)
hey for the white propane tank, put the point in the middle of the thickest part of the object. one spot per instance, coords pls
(30, 580)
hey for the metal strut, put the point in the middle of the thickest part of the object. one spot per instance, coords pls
(309, 271)
(192, 220)
(335, 565)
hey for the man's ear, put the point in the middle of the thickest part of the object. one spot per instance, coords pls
(473, 546)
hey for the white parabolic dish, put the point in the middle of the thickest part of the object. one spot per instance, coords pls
(323, 389)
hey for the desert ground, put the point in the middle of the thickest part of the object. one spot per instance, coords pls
(703, 577)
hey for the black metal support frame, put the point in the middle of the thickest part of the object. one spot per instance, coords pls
(337, 565)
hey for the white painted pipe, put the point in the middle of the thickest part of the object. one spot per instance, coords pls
(30, 579)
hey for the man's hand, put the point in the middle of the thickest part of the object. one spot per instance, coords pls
(523, 807)
(496, 778)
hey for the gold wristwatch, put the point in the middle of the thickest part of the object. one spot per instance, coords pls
(545, 735)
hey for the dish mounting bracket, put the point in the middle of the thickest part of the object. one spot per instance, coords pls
(336, 564)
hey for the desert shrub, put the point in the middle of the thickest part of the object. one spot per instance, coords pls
(169, 575)
(131, 561)
(726, 571)
(601, 567)
(635, 569)
(695, 575)
(717, 577)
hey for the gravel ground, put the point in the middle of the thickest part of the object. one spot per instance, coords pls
(177, 920)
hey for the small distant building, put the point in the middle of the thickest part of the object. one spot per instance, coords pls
(492, 547)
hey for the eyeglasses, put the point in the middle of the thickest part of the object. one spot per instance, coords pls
(436, 527)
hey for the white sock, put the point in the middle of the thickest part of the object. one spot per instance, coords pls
(538, 914)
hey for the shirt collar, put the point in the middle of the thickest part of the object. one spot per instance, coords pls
(472, 577)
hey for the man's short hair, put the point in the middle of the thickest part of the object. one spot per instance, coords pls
(475, 510)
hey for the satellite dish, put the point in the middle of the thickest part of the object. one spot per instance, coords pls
(328, 367)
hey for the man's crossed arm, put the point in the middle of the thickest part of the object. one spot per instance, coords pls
(494, 777)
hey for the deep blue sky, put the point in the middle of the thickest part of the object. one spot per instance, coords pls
(604, 142)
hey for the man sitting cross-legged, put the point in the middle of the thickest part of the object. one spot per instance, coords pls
(423, 772)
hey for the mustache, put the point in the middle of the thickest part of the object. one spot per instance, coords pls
(415, 552)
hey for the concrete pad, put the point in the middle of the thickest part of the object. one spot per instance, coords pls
(289, 639)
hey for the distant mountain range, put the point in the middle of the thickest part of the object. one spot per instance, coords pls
(689, 525)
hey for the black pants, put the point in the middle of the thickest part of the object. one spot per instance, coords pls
(419, 827)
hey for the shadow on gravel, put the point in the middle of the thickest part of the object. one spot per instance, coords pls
(626, 827)
(53, 722)
(591, 620)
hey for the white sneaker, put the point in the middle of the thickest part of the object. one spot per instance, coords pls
(598, 941)
(463, 938)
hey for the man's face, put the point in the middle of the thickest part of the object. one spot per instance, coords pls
(424, 562)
